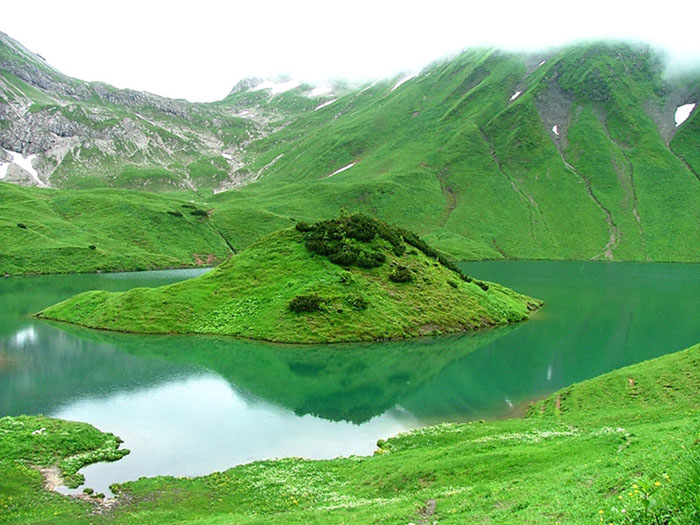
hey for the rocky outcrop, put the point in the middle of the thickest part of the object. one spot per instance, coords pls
(94, 129)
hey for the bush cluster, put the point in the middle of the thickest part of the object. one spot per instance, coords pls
(357, 302)
(400, 274)
(305, 303)
(482, 285)
(22, 225)
(175, 213)
(415, 241)
(199, 213)
(304, 227)
(331, 239)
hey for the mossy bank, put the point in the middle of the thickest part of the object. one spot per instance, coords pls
(348, 279)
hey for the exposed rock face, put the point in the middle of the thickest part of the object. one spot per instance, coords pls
(663, 116)
(554, 107)
(245, 84)
(79, 129)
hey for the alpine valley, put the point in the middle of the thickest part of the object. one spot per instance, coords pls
(586, 152)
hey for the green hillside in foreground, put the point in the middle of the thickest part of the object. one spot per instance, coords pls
(48, 231)
(622, 448)
(348, 279)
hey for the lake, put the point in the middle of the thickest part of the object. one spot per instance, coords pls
(191, 405)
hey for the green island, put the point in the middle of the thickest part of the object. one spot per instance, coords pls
(621, 448)
(353, 278)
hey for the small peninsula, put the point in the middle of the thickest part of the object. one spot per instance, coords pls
(353, 278)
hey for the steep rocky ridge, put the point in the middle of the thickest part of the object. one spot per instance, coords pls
(92, 134)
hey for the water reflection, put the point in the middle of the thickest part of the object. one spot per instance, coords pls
(202, 424)
(347, 382)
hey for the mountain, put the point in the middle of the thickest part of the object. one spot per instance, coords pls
(354, 278)
(491, 155)
(62, 132)
(575, 153)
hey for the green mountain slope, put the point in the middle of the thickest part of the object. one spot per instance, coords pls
(349, 279)
(569, 154)
(577, 165)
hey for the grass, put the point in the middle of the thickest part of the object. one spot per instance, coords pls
(129, 230)
(30, 443)
(448, 155)
(620, 448)
(250, 295)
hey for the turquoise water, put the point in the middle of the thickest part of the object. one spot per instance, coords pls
(193, 405)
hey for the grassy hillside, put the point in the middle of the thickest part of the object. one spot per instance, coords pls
(497, 155)
(49, 231)
(621, 448)
(568, 154)
(349, 279)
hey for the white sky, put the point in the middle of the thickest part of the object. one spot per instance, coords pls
(198, 50)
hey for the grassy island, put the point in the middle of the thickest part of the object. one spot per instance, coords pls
(353, 278)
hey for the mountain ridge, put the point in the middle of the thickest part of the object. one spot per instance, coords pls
(569, 154)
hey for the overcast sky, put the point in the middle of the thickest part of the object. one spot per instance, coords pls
(198, 50)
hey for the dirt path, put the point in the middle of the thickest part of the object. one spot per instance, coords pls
(52, 479)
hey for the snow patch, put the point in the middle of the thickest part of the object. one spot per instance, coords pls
(515, 95)
(325, 104)
(403, 81)
(227, 156)
(26, 164)
(555, 129)
(343, 169)
(320, 90)
(683, 112)
(370, 86)
(277, 87)
(541, 63)
(3, 169)
(145, 119)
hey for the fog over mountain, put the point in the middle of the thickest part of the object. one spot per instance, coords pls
(179, 50)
